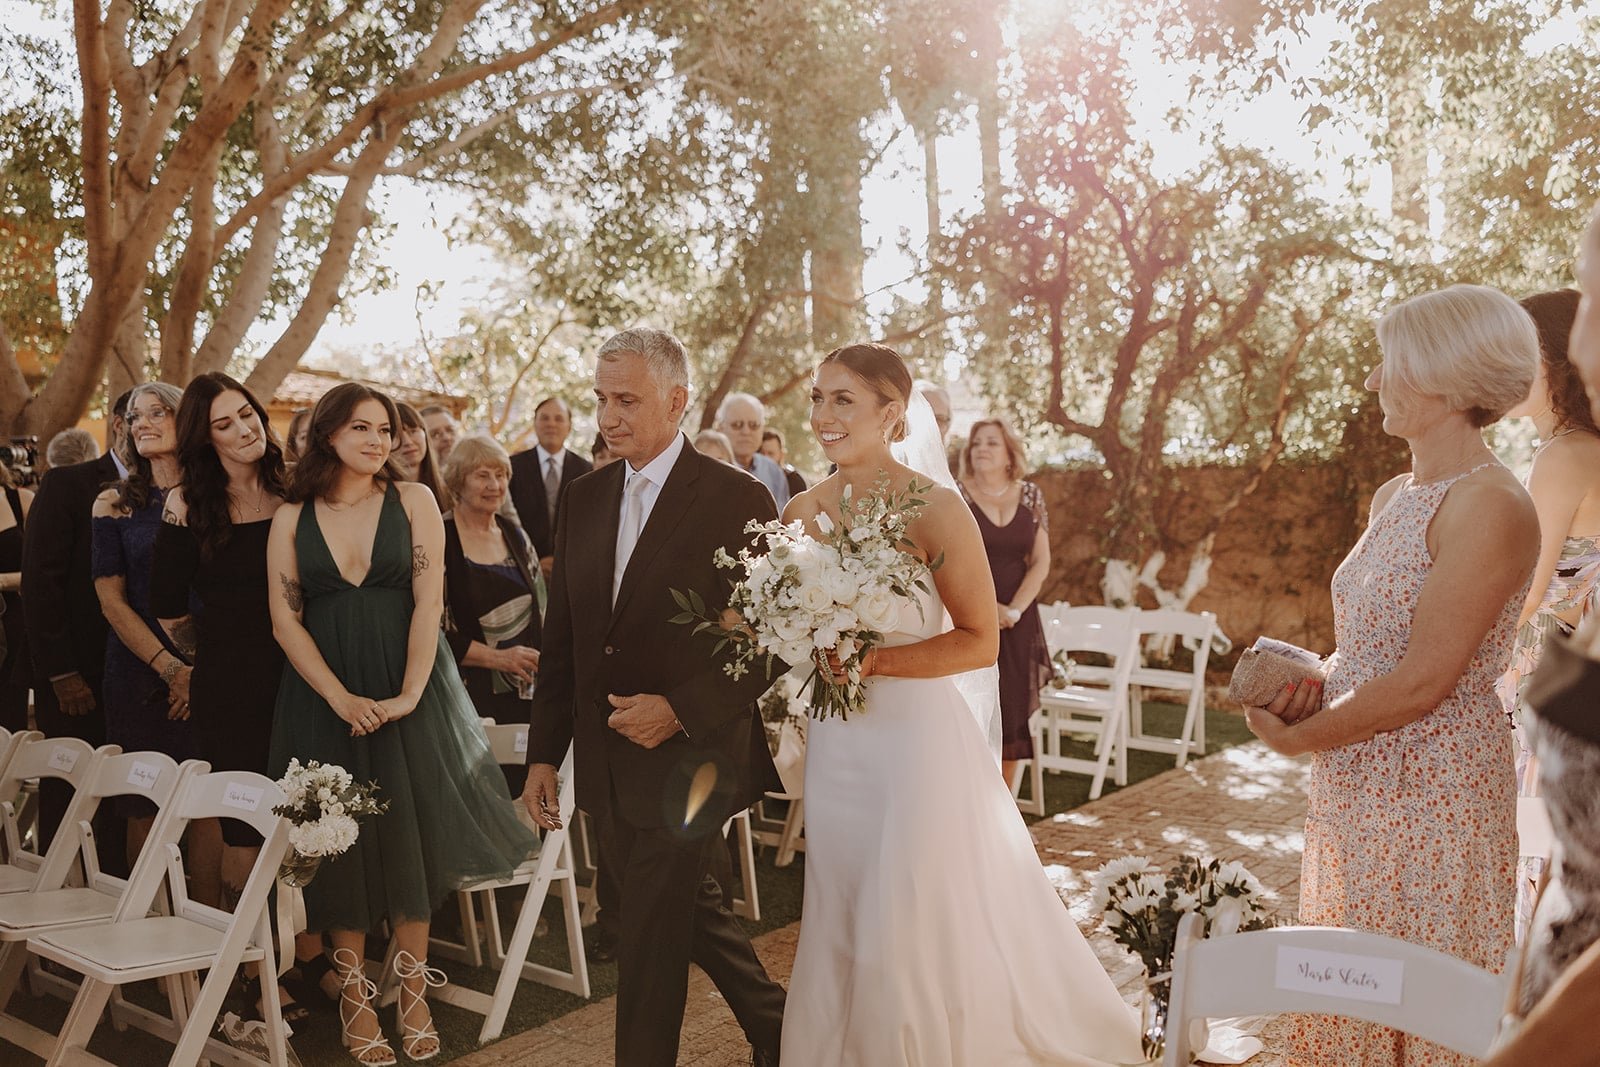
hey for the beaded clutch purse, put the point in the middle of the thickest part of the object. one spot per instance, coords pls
(1265, 668)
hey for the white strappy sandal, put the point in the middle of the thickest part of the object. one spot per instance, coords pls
(408, 968)
(352, 977)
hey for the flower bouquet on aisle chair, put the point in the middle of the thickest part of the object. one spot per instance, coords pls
(1141, 909)
(323, 804)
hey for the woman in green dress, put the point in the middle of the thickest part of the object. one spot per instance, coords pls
(355, 559)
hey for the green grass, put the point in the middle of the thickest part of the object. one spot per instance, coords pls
(317, 1039)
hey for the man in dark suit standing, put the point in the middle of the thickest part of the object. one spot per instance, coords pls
(539, 475)
(665, 745)
(66, 630)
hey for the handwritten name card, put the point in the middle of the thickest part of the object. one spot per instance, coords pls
(520, 744)
(144, 775)
(241, 796)
(1340, 974)
(63, 759)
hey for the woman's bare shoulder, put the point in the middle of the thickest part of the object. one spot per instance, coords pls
(810, 503)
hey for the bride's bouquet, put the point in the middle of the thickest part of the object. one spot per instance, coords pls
(804, 596)
(322, 803)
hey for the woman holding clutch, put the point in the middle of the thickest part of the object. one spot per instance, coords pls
(1411, 815)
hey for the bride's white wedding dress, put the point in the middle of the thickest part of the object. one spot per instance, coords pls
(930, 934)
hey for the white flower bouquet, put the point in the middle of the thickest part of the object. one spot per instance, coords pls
(322, 803)
(1142, 909)
(806, 596)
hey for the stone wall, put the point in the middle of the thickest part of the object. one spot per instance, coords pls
(1273, 559)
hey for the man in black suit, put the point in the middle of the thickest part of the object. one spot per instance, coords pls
(539, 475)
(665, 745)
(66, 630)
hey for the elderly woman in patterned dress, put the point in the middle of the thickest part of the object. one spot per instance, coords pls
(1411, 816)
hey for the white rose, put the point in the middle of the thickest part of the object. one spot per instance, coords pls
(862, 533)
(787, 627)
(792, 652)
(815, 598)
(842, 586)
(878, 610)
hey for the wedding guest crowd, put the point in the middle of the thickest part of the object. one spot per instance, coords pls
(191, 589)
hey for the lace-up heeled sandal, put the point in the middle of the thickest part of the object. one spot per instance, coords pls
(356, 989)
(417, 1042)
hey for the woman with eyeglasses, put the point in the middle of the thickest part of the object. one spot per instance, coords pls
(146, 678)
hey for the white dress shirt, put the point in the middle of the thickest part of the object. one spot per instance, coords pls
(559, 455)
(655, 475)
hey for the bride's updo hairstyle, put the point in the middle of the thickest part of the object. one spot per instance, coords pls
(882, 370)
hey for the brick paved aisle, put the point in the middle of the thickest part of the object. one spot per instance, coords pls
(1244, 803)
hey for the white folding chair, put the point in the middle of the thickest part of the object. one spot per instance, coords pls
(136, 946)
(748, 903)
(33, 757)
(1329, 971)
(549, 871)
(1195, 630)
(1095, 702)
(787, 834)
(55, 905)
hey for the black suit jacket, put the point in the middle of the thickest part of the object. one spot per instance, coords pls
(66, 630)
(528, 496)
(720, 764)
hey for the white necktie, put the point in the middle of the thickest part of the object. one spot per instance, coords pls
(628, 532)
(552, 489)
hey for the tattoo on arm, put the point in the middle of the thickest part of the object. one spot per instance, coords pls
(293, 594)
(419, 560)
(170, 517)
(185, 637)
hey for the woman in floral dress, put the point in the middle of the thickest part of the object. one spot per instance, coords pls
(1411, 815)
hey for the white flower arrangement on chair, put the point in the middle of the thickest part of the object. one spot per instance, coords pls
(323, 805)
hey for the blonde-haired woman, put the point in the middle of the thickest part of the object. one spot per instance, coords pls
(491, 588)
(1016, 535)
(1411, 815)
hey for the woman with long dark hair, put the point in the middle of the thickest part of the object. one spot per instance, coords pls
(413, 455)
(146, 678)
(212, 550)
(355, 563)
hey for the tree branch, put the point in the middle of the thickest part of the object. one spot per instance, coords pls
(400, 97)
(95, 78)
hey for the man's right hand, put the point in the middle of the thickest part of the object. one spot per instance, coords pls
(73, 694)
(542, 796)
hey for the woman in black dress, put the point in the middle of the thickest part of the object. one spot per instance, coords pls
(14, 673)
(1016, 534)
(491, 592)
(146, 679)
(211, 554)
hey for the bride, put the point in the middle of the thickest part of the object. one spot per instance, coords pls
(929, 934)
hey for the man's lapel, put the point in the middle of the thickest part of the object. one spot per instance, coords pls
(671, 507)
(600, 550)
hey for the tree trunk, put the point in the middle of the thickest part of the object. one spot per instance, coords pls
(837, 259)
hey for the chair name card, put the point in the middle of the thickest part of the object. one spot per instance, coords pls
(63, 759)
(144, 775)
(241, 796)
(1339, 974)
(520, 743)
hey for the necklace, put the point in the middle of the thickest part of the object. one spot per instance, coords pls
(990, 493)
(345, 505)
(254, 508)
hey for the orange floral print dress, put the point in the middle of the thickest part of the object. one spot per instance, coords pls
(1413, 833)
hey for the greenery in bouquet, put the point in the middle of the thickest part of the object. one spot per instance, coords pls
(1141, 908)
(323, 805)
(803, 596)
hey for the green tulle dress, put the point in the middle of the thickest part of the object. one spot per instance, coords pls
(450, 820)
